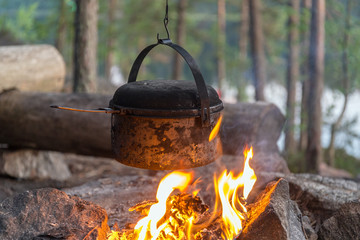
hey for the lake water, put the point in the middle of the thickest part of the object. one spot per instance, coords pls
(332, 103)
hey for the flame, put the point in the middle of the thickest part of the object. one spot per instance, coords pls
(233, 207)
(175, 216)
(149, 227)
(215, 130)
(249, 176)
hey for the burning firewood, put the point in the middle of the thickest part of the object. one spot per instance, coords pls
(185, 216)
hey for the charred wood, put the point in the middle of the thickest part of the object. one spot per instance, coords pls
(274, 215)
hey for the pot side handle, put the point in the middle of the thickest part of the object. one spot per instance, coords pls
(199, 80)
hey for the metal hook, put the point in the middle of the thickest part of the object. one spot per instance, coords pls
(166, 21)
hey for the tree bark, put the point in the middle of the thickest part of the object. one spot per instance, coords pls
(345, 82)
(292, 76)
(305, 36)
(27, 121)
(221, 42)
(85, 46)
(61, 31)
(257, 49)
(31, 68)
(316, 70)
(243, 47)
(180, 38)
(110, 57)
(244, 28)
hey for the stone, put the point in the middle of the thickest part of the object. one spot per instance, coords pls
(117, 194)
(344, 224)
(318, 197)
(274, 215)
(322, 196)
(51, 214)
(32, 164)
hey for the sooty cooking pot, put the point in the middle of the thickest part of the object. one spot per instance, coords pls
(165, 124)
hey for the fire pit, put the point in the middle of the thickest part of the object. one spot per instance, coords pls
(185, 216)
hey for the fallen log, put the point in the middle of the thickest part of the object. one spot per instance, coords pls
(31, 68)
(27, 121)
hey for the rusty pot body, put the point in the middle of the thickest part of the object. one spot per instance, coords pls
(165, 124)
(163, 143)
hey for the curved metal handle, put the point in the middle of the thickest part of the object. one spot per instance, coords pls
(199, 80)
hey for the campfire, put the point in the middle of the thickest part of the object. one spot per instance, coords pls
(178, 212)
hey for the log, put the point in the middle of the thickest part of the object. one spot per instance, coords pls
(31, 68)
(258, 124)
(28, 122)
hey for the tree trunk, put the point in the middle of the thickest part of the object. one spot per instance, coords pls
(243, 46)
(31, 68)
(85, 46)
(316, 70)
(257, 49)
(244, 28)
(305, 36)
(345, 62)
(61, 31)
(180, 38)
(292, 75)
(111, 37)
(221, 42)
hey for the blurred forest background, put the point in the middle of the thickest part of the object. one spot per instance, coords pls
(290, 52)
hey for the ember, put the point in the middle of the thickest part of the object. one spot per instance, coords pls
(181, 215)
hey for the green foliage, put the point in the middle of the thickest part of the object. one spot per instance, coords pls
(347, 162)
(342, 161)
(23, 25)
(335, 30)
(296, 162)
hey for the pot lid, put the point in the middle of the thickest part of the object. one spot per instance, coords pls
(172, 98)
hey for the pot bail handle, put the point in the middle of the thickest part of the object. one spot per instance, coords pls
(199, 80)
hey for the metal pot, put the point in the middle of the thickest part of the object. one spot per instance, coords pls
(165, 124)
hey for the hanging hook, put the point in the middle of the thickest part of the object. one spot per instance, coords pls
(166, 21)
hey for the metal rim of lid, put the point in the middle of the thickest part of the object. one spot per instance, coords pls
(164, 113)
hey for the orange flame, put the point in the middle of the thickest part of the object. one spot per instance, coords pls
(233, 208)
(215, 130)
(148, 227)
(158, 224)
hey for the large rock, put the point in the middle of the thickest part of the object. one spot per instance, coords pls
(274, 216)
(117, 194)
(322, 196)
(51, 214)
(31, 164)
(318, 197)
(315, 192)
(344, 224)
